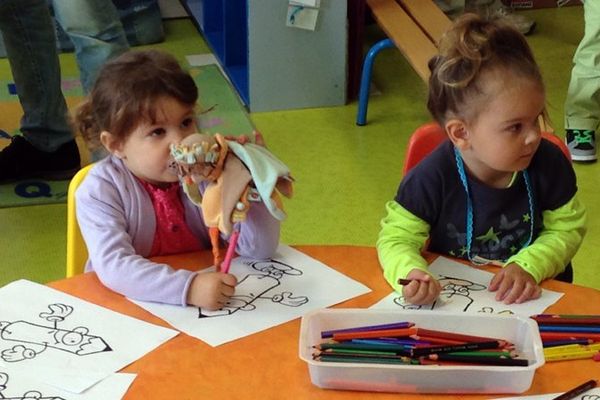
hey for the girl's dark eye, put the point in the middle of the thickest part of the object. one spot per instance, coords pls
(158, 132)
(186, 123)
(515, 128)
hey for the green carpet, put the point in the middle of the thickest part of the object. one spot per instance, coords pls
(344, 173)
(223, 113)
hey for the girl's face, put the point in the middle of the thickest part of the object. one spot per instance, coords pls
(146, 150)
(505, 134)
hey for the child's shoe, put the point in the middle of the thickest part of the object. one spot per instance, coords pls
(581, 144)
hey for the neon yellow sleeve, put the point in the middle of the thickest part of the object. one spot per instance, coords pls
(557, 243)
(401, 239)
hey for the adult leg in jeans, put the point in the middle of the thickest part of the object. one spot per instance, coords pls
(582, 106)
(47, 148)
(96, 31)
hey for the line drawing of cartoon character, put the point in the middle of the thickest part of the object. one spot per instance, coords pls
(457, 290)
(35, 338)
(253, 287)
(490, 310)
(29, 395)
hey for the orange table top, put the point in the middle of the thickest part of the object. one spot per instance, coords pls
(266, 365)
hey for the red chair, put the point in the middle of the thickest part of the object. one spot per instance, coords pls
(427, 137)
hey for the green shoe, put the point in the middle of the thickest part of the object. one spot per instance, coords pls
(581, 144)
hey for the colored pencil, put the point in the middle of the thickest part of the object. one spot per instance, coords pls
(568, 328)
(565, 316)
(513, 362)
(423, 351)
(375, 334)
(405, 342)
(568, 335)
(360, 352)
(436, 340)
(567, 321)
(361, 346)
(574, 355)
(571, 347)
(367, 360)
(554, 343)
(404, 282)
(452, 336)
(394, 325)
(485, 353)
(230, 250)
(577, 390)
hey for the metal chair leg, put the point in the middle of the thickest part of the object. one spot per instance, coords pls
(365, 80)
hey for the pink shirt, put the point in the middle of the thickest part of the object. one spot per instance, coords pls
(172, 233)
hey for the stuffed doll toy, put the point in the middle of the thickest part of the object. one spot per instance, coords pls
(232, 176)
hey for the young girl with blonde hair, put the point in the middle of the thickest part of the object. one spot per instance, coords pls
(495, 192)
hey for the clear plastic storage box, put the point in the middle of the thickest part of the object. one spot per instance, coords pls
(521, 331)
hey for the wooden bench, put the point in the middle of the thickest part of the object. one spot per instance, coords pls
(412, 26)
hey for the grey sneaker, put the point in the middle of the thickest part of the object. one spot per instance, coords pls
(497, 10)
(581, 144)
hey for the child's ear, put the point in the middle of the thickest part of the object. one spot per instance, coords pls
(111, 143)
(456, 129)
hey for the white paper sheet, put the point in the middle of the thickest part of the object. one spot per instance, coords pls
(465, 288)
(268, 293)
(67, 342)
(18, 387)
(593, 394)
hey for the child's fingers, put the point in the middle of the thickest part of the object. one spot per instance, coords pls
(531, 291)
(420, 292)
(495, 282)
(258, 138)
(229, 280)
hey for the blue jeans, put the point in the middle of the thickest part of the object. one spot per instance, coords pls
(28, 34)
(96, 31)
(30, 42)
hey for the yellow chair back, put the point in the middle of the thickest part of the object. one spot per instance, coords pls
(77, 254)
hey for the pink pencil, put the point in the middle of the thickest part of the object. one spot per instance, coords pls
(230, 250)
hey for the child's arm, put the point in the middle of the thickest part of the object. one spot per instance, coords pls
(401, 239)
(557, 243)
(102, 219)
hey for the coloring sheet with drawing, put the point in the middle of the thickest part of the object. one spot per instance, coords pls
(268, 293)
(66, 342)
(465, 288)
(18, 387)
(593, 394)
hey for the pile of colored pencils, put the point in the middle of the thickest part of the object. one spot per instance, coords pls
(404, 343)
(569, 337)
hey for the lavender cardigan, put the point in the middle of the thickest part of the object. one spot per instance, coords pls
(117, 220)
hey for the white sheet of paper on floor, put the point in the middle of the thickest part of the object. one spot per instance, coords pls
(465, 288)
(268, 293)
(67, 342)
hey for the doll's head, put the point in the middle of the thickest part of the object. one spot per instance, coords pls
(200, 157)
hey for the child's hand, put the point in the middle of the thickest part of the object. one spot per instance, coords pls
(423, 289)
(514, 285)
(211, 290)
(243, 139)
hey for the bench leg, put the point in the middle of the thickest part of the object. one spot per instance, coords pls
(365, 80)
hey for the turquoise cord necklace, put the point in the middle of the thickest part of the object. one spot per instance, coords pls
(469, 223)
